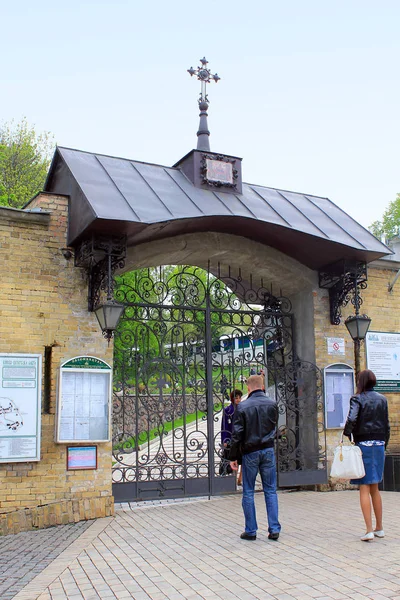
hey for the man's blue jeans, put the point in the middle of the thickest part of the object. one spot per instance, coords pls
(262, 461)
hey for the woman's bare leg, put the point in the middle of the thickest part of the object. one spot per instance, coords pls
(365, 503)
(377, 505)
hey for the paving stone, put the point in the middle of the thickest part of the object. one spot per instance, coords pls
(40, 549)
(192, 550)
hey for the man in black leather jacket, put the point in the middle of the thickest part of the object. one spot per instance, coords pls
(252, 442)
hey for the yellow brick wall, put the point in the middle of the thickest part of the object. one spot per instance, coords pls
(384, 310)
(43, 301)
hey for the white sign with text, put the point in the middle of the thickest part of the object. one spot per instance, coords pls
(20, 404)
(336, 345)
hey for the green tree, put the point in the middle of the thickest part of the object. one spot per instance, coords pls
(24, 162)
(389, 226)
(144, 332)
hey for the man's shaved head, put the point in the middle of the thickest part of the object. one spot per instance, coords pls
(255, 382)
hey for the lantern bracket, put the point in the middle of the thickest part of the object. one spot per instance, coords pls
(344, 279)
(101, 256)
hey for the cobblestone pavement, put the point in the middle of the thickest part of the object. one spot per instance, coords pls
(192, 550)
(24, 555)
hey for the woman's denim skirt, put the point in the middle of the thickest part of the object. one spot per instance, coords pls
(374, 460)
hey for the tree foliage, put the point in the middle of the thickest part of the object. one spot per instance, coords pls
(141, 332)
(389, 226)
(24, 162)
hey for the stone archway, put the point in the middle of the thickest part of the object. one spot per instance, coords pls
(252, 258)
(280, 273)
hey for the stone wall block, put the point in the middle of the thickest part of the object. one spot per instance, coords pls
(384, 310)
(44, 302)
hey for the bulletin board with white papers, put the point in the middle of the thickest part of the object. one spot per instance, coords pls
(339, 387)
(84, 401)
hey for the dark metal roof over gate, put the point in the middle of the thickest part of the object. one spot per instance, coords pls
(148, 202)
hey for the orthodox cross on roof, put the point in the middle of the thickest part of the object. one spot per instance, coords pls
(205, 76)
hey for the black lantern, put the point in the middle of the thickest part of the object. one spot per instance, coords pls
(357, 326)
(108, 315)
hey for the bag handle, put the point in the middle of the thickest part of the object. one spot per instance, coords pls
(351, 439)
(341, 445)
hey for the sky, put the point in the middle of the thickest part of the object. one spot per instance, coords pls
(308, 97)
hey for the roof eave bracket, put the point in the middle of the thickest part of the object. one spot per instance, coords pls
(344, 280)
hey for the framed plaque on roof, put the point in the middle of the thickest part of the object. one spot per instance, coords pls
(218, 170)
(84, 401)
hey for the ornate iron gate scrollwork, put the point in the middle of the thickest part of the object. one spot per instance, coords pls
(301, 447)
(186, 340)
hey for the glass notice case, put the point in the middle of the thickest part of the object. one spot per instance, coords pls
(339, 387)
(84, 401)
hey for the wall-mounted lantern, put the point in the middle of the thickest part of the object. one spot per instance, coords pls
(357, 326)
(108, 315)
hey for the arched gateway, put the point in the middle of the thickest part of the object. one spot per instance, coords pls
(191, 334)
(187, 340)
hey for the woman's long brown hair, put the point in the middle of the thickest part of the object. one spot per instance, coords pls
(365, 381)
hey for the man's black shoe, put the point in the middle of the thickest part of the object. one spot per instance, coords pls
(246, 536)
(273, 536)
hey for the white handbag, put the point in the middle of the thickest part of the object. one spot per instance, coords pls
(347, 461)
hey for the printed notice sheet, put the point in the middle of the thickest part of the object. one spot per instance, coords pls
(20, 401)
(383, 358)
(339, 387)
(84, 406)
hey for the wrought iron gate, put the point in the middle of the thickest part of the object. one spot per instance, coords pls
(187, 339)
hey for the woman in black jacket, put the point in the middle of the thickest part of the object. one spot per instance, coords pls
(368, 422)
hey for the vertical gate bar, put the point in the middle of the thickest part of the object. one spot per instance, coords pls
(185, 368)
(137, 358)
(231, 366)
(282, 370)
(123, 400)
(296, 391)
(265, 348)
(209, 388)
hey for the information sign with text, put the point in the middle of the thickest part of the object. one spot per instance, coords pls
(20, 404)
(383, 358)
